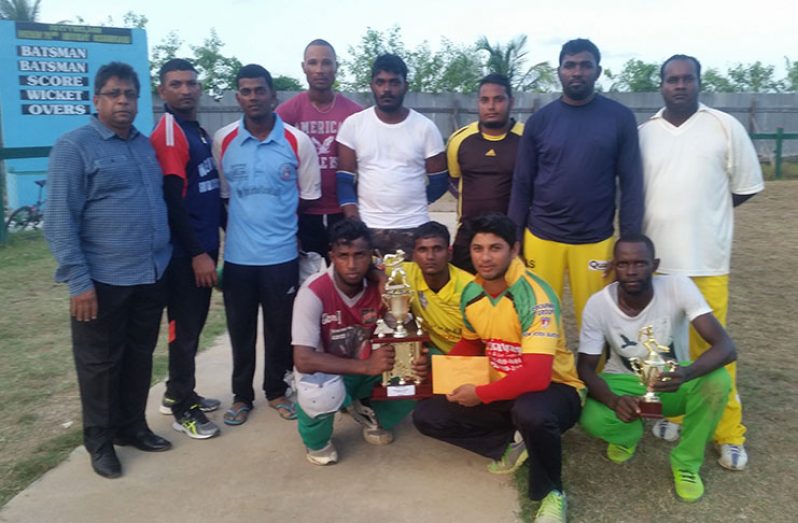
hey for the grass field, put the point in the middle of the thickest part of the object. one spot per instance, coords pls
(40, 406)
(39, 392)
(763, 298)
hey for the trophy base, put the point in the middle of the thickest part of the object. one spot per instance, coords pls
(650, 409)
(410, 391)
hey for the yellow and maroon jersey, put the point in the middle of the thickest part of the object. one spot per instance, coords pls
(484, 166)
(524, 319)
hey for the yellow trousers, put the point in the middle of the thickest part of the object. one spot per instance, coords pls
(585, 263)
(716, 291)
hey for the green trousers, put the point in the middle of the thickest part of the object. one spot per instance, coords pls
(700, 400)
(316, 432)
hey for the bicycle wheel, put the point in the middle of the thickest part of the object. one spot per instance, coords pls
(19, 219)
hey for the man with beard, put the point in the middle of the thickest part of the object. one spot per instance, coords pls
(191, 190)
(701, 161)
(391, 161)
(616, 316)
(481, 157)
(513, 317)
(271, 174)
(575, 154)
(318, 112)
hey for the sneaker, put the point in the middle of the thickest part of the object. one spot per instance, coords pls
(363, 414)
(514, 456)
(620, 453)
(195, 424)
(552, 508)
(377, 435)
(667, 430)
(324, 456)
(733, 457)
(688, 485)
(205, 404)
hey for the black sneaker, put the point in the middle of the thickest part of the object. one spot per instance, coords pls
(205, 404)
(195, 424)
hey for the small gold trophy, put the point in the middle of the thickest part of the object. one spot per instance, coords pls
(400, 330)
(649, 370)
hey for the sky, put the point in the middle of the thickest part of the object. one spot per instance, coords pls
(272, 33)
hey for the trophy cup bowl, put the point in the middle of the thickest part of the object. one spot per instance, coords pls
(649, 370)
(400, 382)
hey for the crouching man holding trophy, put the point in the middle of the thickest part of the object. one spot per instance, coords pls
(335, 315)
(402, 333)
(644, 320)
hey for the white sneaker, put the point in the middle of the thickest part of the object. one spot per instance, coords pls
(667, 430)
(324, 456)
(377, 435)
(733, 457)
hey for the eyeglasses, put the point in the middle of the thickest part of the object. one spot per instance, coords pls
(130, 94)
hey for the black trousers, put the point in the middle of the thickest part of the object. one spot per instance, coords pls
(272, 288)
(487, 429)
(314, 232)
(113, 359)
(187, 309)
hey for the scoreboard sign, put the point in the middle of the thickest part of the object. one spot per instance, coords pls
(48, 88)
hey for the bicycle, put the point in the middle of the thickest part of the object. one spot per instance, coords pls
(28, 216)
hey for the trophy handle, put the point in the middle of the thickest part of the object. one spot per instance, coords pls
(636, 366)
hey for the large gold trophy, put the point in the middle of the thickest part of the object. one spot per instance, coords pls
(399, 329)
(649, 371)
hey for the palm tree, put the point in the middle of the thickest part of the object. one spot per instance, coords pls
(510, 60)
(19, 10)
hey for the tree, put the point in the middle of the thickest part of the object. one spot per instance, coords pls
(713, 81)
(372, 44)
(510, 60)
(20, 10)
(636, 76)
(452, 68)
(286, 83)
(754, 78)
(791, 80)
(217, 72)
(161, 53)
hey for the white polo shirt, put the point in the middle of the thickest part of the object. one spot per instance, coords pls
(690, 173)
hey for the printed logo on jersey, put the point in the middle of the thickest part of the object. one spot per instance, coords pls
(490, 153)
(368, 316)
(287, 172)
(331, 318)
(323, 148)
(422, 299)
(503, 356)
(598, 265)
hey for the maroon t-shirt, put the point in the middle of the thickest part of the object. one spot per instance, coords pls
(322, 127)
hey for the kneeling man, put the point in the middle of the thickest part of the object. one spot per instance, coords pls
(335, 314)
(437, 286)
(513, 317)
(615, 316)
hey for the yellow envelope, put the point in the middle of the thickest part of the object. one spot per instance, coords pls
(449, 372)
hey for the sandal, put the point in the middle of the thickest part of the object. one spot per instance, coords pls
(237, 414)
(285, 408)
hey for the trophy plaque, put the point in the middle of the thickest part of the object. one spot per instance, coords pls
(648, 371)
(399, 329)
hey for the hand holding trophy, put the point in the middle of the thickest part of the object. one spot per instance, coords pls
(649, 371)
(399, 330)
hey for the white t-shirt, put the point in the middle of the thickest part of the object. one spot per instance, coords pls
(391, 170)
(690, 173)
(676, 302)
